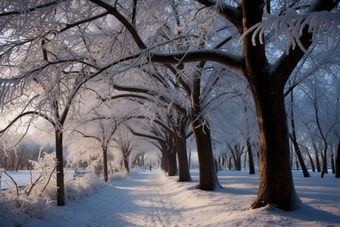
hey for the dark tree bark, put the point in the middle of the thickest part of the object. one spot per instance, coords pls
(317, 160)
(250, 158)
(106, 178)
(229, 163)
(311, 161)
(276, 182)
(324, 161)
(181, 148)
(208, 177)
(60, 167)
(332, 162)
(337, 162)
(299, 156)
(236, 154)
(165, 161)
(126, 164)
(171, 156)
(172, 163)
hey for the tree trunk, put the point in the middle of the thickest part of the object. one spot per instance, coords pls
(172, 163)
(276, 184)
(332, 163)
(60, 167)
(324, 161)
(294, 140)
(237, 158)
(105, 163)
(299, 156)
(165, 157)
(229, 163)
(250, 158)
(318, 166)
(183, 166)
(126, 163)
(337, 162)
(207, 172)
(311, 161)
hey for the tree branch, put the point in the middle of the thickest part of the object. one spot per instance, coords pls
(234, 61)
(25, 114)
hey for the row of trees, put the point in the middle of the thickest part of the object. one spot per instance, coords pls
(17, 158)
(166, 70)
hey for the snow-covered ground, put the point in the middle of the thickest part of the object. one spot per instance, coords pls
(20, 177)
(153, 199)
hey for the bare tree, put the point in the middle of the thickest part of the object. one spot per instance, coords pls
(107, 128)
(126, 145)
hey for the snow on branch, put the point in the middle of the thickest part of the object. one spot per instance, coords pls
(292, 24)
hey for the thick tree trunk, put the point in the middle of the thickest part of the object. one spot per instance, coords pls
(171, 156)
(165, 157)
(276, 184)
(60, 167)
(105, 163)
(172, 163)
(183, 166)
(208, 177)
(163, 166)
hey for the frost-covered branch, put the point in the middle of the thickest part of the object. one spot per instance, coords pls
(231, 13)
(222, 57)
(113, 10)
(25, 114)
(154, 94)
(31, 9)
(292, 25)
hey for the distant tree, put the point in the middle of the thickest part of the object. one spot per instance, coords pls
(160, 135)
(104, 134)
(293, 138)
(126, 145)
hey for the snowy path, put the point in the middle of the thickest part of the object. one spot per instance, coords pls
(152, 199)
(138, 201)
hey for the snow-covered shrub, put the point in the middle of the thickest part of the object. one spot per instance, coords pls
(8, 217)
(120, 174)
(96, 166)
(14, 209)
(33, 200)
(84, 185)
(37, 198)
(45, 183)
(32, 207)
